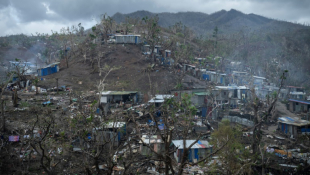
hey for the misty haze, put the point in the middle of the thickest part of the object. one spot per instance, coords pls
(154, 87)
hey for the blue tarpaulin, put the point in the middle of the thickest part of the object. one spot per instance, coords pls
(46, 103)
(305, 129)
(196, 152)
(190, 156)
(89, 136)
(204, 112)
(161, 127)
(205, 77)
(158, 113)
(151, 123)
(48, 70)
(290, 119)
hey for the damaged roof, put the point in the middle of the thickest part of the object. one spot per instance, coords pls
(300, 101)
(297, 93)
(151, 139)
(293, 121)
(202, 93)
(115, 124)
(230, 87)
(198, 145)
(160, 98)
(118, 92)
(257, 77)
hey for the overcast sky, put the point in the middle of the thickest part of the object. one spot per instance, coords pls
(31, 16)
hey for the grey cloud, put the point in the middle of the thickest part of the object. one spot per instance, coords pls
(30, 10)
(73, 9)
(33, 10)
(65, 11)
(4, 3)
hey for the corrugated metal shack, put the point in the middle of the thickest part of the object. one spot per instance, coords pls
(293, 126)
(198, 151)
(160, 99)
(214, 77)
(118, 96)
(154, 141)
(200, 98)
(111, 132)
(127, 39)
(49, 69)
(299, 105)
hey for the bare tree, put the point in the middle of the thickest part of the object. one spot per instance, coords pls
(3, 88)
(107, 26)
(257, 106)
(152, 30)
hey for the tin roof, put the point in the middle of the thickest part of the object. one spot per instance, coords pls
(151, 139)
(257, 77)
(125, 35)
(230, 87)
(293, 121)
(114, 124)
(297, 93)
(202, 93)
(160, 98)
(50, 65)
(156, 101)
(211, 72)
(300, 101)
(117, 92)
(237, 72)
(198, 145)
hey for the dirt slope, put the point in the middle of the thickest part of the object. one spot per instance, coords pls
(281, 111)
(130, 76)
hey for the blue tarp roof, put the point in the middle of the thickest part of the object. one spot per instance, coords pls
(299, 101)
(161, 126)
(47, 102)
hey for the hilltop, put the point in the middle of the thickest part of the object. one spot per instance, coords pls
(265, 45)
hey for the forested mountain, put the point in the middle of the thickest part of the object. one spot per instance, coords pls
(227, 21)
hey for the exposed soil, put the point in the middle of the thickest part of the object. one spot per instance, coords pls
(282, 111)
(130, 77)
